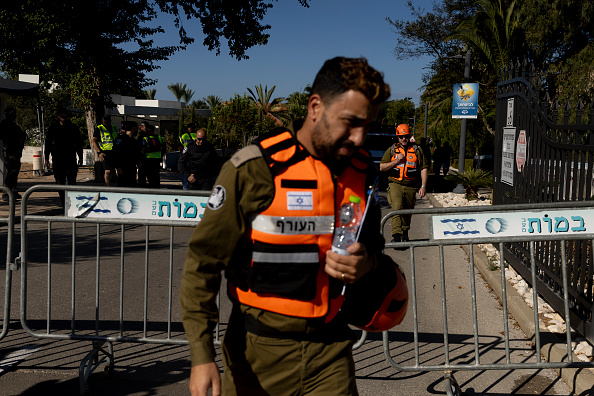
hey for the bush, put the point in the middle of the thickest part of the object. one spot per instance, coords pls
(472, 180)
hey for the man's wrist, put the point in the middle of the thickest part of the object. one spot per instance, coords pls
(425, 187)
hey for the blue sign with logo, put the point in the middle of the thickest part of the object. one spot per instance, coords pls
(465, 100)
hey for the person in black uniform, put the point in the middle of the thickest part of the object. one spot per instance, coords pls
(14, 139)
(199, 163)
(153, 149)
(127, 154)
(64, 143)
(143, 132)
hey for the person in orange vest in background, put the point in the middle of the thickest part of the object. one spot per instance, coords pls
(408, 172)
(288, 332)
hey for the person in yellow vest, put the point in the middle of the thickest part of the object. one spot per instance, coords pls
(269, 224)
(187, 138)
(408, 171)
(153, 149)
(103, 138)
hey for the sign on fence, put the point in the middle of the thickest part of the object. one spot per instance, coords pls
(521, 150)
(134, 206)
(507, 156)
(496, 224)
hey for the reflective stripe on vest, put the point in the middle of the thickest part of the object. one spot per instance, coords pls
(291, 237)
(187, 138)
(408, 168)
(153, 146)
(107, 137)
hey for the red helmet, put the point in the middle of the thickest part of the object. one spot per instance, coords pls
(378, 301)
(402, 130)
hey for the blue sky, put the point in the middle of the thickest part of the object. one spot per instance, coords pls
(301, 40)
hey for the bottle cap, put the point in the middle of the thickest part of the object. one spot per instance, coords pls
(355, 199)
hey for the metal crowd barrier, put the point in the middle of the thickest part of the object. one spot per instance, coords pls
(99, 257)
(9, 266)
(113, 269)
(450, 364)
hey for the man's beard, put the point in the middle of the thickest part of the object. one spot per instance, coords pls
(326, 149)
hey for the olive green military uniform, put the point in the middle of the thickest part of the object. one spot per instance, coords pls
(402, 194)
(264, 353)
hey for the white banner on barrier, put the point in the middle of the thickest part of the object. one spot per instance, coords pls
(498, 224)
(134, 206)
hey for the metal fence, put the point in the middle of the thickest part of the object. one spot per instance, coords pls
(108, 280)
(472, 353)
(103, 280)
(8, 265)
(545, 153)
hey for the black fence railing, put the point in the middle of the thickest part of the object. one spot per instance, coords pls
(544, 152)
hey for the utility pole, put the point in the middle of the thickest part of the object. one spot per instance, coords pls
(461, 154)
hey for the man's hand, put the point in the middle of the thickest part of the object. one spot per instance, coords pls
(101, 156)
(422, 192)
(203, 377)
(191, 178)
(349, 268)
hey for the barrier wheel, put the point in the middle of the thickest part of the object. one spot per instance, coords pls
(108, 371)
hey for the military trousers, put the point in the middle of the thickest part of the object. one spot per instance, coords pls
(13, 167)
(401, 197)
(256, 365)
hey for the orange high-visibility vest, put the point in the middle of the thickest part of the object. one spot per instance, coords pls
(291, 237)
(408, 169)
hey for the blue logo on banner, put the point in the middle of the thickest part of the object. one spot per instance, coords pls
(496, 225)
(127, 205)
(459, 227)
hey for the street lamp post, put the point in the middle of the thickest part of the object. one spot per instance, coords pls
(461, 154)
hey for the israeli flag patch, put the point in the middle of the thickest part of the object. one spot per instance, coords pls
(299, 200)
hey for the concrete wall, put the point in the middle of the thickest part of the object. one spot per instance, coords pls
(29, 151)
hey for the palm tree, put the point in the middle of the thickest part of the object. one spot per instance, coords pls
(296, 105)
(212, 101)
(187, 95)
(262, 101)
(494, 30)
(150, 93)
(179, 90)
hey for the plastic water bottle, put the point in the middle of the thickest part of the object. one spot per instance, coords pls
(347, 227)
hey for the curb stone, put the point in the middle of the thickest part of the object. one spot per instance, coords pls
(580, 381)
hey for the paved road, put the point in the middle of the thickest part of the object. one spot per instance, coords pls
(51, 366)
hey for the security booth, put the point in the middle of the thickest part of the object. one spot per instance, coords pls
(19, 88)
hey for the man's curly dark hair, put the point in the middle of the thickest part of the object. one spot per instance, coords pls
(341, 74)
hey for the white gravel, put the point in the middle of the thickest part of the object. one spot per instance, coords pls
(553, 321)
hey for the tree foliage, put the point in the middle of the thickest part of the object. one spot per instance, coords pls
(563, 46)
(296, 104)
(494, 30)
(236, 122)
(262, 99)
(95, 48)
